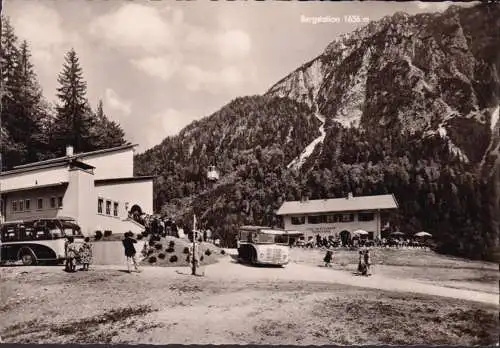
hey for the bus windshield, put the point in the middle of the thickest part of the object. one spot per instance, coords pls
(264, 238)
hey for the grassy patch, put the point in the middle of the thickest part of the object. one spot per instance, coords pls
(81, 331)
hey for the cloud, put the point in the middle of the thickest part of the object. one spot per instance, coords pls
(433, 6)
(233, 44)
(164, 123)
(135, 26)
(162, 67)
(113, 100)
(227, 79)
(45, 40)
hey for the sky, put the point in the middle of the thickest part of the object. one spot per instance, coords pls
(159, 65)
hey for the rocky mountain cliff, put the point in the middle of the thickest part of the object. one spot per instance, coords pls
(406, 105)
(433, 72)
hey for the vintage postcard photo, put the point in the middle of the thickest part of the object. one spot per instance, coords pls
(249, 172)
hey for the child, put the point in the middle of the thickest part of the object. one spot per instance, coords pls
(367, 261)
(328, 258)
(86, 254)
(70, 254)
(361, 263)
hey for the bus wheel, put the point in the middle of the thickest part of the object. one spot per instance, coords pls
(28, 258)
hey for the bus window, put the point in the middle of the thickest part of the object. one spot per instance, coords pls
(281, 239)
(29, 233)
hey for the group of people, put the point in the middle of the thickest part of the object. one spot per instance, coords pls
(75, 253)
(364, 262)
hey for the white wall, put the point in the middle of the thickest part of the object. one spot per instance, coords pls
(33, 195)
(118, 164)
(334, 229)
(114, 224)
(77, 202)
(135, 192)
(41, 177)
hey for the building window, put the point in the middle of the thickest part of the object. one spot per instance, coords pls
(40, 203)
(27, 204)
(14, 205)
(298, 220)
(100, 203)
(316, 219)
(60, 202)
(21, 205)
(347, 217)
(115, 209)
(108, 207)
(52, 202)
(366, 216)
(333, 218)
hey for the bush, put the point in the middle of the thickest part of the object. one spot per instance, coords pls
(158, 246)
(151, 243)
(150, 251)
(186, 250)
(139, 236)
(98, 235)
(171, 244)
(223, 252)
(152, 259)
(161, 256)
(173, 258)
(107, 233)
(170, 250)
(208, 252)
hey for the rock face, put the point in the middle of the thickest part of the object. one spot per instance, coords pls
(407, 105)
(432, 72)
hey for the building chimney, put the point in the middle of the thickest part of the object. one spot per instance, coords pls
(349, 195)
(69, 150)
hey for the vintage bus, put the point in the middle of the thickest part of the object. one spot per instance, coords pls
(263, 245)
(37, 240)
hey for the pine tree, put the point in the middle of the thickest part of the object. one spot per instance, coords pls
(74, 117)
(10, 91)
(106, 133)
(30, 107)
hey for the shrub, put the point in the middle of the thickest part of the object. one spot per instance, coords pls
(161, 256)
(98, 235)
(186, 250)
(139, 236)
(107, 233)
(208, 252)
(173, 258)
(171, 244)
(151, 243)
(223, 252)
(150, 251)
(170, 250)
(158, 246)
(152, 259)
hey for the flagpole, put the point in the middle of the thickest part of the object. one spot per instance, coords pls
(1, 111)
(193, 268)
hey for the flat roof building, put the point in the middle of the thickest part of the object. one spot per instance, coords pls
(96, 188)
(338, 217)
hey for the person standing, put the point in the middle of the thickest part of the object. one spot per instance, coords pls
(86, 254)
(130, 252)
(70, 254)
(328, 258)
(367, 260)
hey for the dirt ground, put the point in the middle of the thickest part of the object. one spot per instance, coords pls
(236, 304)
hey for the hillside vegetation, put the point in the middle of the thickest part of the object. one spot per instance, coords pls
(408, 103)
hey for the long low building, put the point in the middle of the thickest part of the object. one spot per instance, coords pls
(338, 218)
(97, 189)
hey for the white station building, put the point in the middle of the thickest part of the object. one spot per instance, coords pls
(97, 189)
(339, 217)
